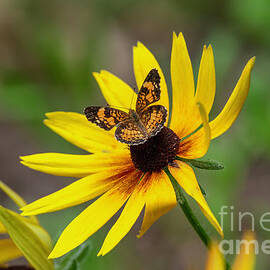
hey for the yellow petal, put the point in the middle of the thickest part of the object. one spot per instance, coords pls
(9, 251)
(184, 113)
(197, 144)
(95, 216)
(206, 85)
(16, 198)
(187, 180)
(26, 240)
(78, 192)
(160, 198)
(235, 103)
(2, 228)
(215, 260)
(115, 91)
(75, 165)
(246, 259)
(76, 129)
(127, 218)
(143, 62)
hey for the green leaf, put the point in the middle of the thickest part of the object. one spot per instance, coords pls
(74, 259)
(203, 164)
(26, 240)
(16, 198)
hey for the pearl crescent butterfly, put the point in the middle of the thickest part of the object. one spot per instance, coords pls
(137, 126)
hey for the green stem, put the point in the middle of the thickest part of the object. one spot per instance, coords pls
(188, 211)
(183, 203)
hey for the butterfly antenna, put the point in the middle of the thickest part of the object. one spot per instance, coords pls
(108, 105)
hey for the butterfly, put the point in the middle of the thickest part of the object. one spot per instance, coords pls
(137, 126)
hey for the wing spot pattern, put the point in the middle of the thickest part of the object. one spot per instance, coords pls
(149, 85)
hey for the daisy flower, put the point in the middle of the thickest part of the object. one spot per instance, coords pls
(134, 177)
(27, 238)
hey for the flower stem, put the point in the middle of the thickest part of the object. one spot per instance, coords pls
(187, 210)
(183, 203)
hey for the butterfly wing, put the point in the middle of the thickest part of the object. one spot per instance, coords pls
(149, 92)
(153, 119)
(128, 132)
(105, 117)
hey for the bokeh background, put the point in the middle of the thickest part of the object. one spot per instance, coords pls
(48, 50)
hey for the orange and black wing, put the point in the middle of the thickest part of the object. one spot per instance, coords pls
(153, 119)
(105, 117)
(149, 92)
(128, 132)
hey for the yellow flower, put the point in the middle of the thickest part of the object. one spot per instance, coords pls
(245, 260)
(121, 175)
(27, 237)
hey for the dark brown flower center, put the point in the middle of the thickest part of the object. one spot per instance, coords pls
(157, 152)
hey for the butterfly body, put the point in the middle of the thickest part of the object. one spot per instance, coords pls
(136, 126)
(135, 118)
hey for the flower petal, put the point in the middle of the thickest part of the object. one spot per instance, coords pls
(246, 259)
(160, 198)
(75, 128)
(184, 114)
(26, 239)
(215, 260)
(115, 91)
(206, 85)
(235, 103)
(95, 216)
(78, 192)
(187, 180)
(2, 228)
(197, 144)
(75, 165)
(9, 251)
(143, 62)
(127, 218)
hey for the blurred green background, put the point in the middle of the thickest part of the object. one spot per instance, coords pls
(48, 50)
